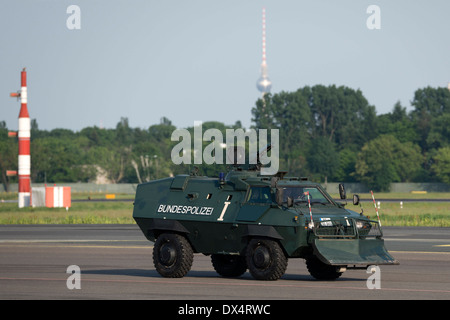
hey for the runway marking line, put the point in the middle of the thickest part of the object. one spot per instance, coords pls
(67, 241)
(80, 246)
(420, 252)
(67, 244)
(231, 284)
(54, 244)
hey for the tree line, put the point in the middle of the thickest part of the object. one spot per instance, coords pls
(326, 133)
(333, 133)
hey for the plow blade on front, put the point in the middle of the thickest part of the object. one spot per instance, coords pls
(358, 252)
(351, 242)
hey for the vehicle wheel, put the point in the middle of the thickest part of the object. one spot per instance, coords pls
(172, 255)
(229, 265)
(265, 259)
(322, 271)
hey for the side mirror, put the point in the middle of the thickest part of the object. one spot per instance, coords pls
(342, 191)
(355, 199)
(290, 202)
(279, 196)
(273, 182)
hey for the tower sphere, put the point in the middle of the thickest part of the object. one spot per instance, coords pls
(264, 84)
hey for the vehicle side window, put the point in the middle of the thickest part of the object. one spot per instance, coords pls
(300, 194)
(259, 195)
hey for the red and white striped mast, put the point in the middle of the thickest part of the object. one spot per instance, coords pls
(24, 134)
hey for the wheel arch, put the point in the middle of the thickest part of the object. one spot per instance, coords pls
(263, 232)
(253, 231)
(159, 226)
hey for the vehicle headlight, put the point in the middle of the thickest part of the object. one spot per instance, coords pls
(363, 225)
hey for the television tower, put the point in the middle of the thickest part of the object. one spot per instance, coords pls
(264, 84)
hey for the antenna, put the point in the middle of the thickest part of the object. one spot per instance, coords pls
(264, 84)
(264, 36)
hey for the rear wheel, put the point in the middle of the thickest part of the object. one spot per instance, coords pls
(265, 259)
(172, 255)
(322, 271)
(229, 265)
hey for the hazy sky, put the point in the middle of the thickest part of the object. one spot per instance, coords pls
(193, 60)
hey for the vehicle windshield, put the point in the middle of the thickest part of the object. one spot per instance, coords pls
(259, 195)
(300, 195)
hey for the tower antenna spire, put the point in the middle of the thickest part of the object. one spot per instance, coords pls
(264, 35)
(264, 84)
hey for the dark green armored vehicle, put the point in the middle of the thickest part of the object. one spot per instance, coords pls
(249, 221)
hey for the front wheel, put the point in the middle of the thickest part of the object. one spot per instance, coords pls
(265, 259)
(172, 255)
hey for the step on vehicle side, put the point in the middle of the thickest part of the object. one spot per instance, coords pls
(250, 221)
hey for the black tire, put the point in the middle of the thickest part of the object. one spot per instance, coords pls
(172, 255)
(265, 259)
(322, 271)
(229, 265)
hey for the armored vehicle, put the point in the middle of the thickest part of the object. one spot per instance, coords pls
(246, 220)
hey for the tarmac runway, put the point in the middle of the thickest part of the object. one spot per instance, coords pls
(115, 262)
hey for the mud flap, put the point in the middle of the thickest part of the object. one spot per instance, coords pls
(352, 252)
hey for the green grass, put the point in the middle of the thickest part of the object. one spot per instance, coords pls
(406, 195)
(398, 195)
(79, 213)
(74, 195)
(415, 214)
(435, 214)
(425, 214)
